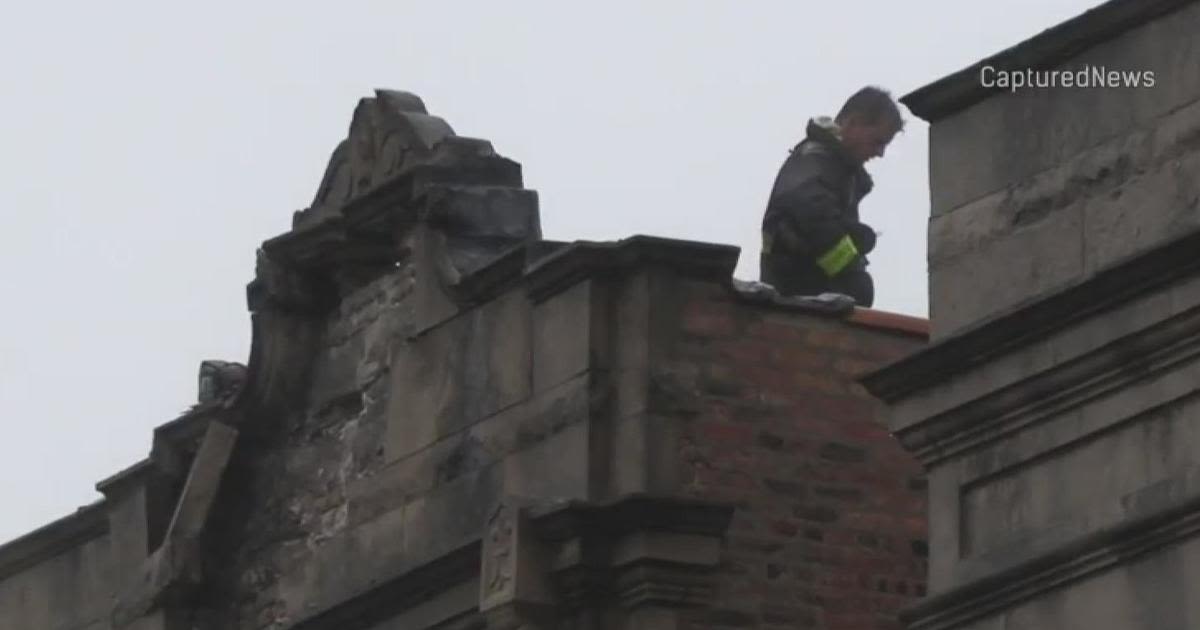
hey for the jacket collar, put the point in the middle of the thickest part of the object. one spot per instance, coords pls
(824, 131)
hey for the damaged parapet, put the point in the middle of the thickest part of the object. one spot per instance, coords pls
(220, 380)
(447, 422)
(400, 168)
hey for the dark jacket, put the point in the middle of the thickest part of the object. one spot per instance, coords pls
(813, 241)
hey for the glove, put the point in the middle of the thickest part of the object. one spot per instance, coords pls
(863, 236)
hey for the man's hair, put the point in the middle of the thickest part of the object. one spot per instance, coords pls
(874, 105)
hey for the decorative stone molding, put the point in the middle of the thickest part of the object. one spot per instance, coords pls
(554, 561)
(387, 132)
(1100, 550)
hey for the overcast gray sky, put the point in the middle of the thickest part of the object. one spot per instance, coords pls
(147, 148)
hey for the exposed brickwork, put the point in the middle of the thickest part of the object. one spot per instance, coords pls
(830, 530)
(447, 423)
(297, 492)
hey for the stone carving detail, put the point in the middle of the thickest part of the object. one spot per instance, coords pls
(388, 131)
(220, 380)
(499, 553)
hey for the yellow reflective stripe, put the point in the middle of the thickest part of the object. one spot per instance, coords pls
(838, 257)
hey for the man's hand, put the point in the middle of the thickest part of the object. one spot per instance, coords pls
(863, 236)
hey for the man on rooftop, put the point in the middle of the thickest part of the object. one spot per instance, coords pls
(813, 241)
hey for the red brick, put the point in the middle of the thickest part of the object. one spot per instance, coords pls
(788, 358)
(777, 332)
(727, 433)
(787, 388)
(742, 352)
(855, 368)
(785, 528)
(707, 319)
(840, 339)
(822, 382)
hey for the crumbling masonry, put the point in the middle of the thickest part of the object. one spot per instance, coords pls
(449, 422)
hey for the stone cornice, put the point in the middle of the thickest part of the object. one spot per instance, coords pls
(1107, 369)
(562, 521)
(1045, 50)
(637, 550)
(393, 596)
(1086, 556)
(584, 259)
(590, 549)
(1030, 323)
(130, 477)
(52, 539)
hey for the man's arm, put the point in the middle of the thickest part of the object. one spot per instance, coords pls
(809, 222)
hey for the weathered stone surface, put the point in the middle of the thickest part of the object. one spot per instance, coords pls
(1055, 415)
(69, 589)
(1035, 129)
(1023, 263)
(388, 132)
(1108, 170)
(418, 357)
(459, 373)
(1096, 209)
(562, 337)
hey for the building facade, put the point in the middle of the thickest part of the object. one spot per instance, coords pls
(447, 421)
(1057, 410)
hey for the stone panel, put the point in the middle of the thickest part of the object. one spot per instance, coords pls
(459, 373)
(562, 327)
(1089, 484)
(68, 591)
(1010, 137)
(361, 557)
(1130, 193)
(1150, 592)
(1006, 272)
(488, 442)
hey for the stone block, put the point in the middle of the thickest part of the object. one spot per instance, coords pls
(1096, 477)
(72, 589)
(514, 568)
(1132, 192)
(557, 467)
(359, 337)
(1011, 136)
(344, 565)
(644, 454)
(1032, 361)
(1152, 591)
(562, 340)
(1150, 209)
(459, 373)
(1005, 272)
(517, 428)
(451, 515)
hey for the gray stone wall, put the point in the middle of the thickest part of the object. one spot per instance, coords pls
(1055, 414)
(1035, 190)
(62, 582)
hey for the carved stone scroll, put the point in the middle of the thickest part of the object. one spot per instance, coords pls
(388, 132)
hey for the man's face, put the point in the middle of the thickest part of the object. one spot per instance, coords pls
(866, 141)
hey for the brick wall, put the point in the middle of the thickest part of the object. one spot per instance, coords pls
(830, 526)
